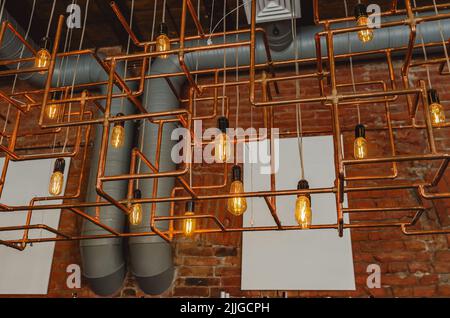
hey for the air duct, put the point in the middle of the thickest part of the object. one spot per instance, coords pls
(103, 260)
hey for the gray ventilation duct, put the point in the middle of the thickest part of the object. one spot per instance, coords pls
(103, 260)
(150, 257)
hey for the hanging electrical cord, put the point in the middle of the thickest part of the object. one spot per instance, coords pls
(142, 139)
(237, 78)
(224, 56)
(252, 214)
(196, 62)
(211, 30)
(51, 18)
(424, 51)
(54, 140)
(211, 21)
(189, 158)
(352, 74)
(164, 12)
(1, 10)
(66, 41)
(8, 111)
(441, 31)
(237, 63)
(76, 71)
(298, 110)
(127, 52)
(67, 44)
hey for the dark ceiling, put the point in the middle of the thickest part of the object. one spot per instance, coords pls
(103, 29)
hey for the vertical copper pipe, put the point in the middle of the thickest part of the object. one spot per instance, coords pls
(427, 116)
(51, 68)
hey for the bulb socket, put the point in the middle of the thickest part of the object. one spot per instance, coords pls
(57, 95)
(236, 173)
(163, 29)
(59, 166)
(45, 43)
(137, 194)
(222, 124)
(433, 97)
(119, 123)
(360, 131)
(303, 185)
(190, 206)
(360, 11)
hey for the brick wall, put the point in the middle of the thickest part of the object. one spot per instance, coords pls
(411, 265)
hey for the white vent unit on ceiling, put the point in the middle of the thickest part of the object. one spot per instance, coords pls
(273, 10)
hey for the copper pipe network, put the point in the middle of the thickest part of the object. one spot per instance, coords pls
(415, 96)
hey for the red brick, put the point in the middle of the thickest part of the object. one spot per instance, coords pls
(402, 291)
(429, 279)
(380, 292)
(415, 245)
(191, 292)
(201, 281)
(231, 281)
(442, 267)
(419, 267)
(443, 256)
(397, 280)
(395, 256)
(200, 261)
(444, 290)
(424, 291)
(396, 267)
(232, 260)
(227, 271)
(196, 251)
(194, 271)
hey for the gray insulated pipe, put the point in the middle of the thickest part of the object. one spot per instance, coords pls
(103, 260)
(151, 257)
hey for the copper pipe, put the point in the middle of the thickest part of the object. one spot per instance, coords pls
(391, 141)
(124, 23)
(194, 16)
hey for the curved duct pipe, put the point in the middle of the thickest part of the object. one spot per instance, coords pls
(103, 260)
(151, 257)
(151, 260)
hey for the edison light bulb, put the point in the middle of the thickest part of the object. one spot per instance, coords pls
(189, 224)
(162, 40)
(52, 108)
(118, 133)
(43, 56)
(222, 145)
(55, 185)
(135, 216)
(436, 110)
(237, 205)
(360, 148)
(303, 212)
(362, 19)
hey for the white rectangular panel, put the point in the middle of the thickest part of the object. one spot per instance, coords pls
(295, 260)
(28, 271)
